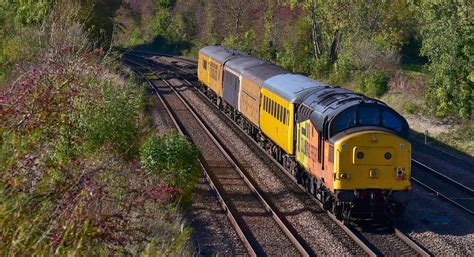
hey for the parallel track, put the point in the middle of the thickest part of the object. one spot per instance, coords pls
(364, 239)
(443, 186)
(232, 202)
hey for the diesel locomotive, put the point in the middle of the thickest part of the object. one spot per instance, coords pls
(350, 151)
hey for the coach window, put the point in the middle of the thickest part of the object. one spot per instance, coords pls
(268, 105)
(280, 113)
(274, 109)
(271, 107)
(277, 111)
(214, 71)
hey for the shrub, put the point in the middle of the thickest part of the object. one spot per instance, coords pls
(373, 84)
(320, 67)
(112, 116)
(174, 159)
(410, 107)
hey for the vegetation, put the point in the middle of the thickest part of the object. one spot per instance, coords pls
(80, 173)
(338, 42)
(173, 158)
(71, 130)
(416, 55)
(374, 84)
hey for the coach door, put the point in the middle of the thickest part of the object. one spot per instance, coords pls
(231, 88)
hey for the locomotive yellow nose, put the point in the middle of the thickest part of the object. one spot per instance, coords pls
(372, 160)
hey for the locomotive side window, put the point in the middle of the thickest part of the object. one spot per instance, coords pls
(369, 116)
(391, 121)
(204, 65)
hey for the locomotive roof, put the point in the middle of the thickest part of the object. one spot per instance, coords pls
(292, 87)
(262, 72)
(241, 63)
(328, 102)
(325, 104)
(221, 53)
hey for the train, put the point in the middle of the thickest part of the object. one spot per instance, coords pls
(350, 151)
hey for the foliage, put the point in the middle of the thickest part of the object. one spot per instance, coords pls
(374, 83)
(173, 158)
(70, 179)
(448, 41)
(111, 116)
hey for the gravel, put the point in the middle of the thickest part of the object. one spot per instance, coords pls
(211, 233)
(264, 234)
(438, 226)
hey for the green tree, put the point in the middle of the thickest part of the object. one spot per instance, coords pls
(448, 39)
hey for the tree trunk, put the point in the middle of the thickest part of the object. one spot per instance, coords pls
(334, 45)
(314, 31)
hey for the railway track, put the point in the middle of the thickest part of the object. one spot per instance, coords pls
(443, 186)
(258, 226)
(374, 243)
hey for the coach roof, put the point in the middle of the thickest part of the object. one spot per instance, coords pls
(292, 87)
(262, 72)
(242, 63)
(221, 53)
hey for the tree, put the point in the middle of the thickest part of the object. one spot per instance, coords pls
(448, 39)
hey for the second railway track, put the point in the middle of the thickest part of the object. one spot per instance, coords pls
(445, 187)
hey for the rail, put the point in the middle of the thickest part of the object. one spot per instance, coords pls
(273, 213)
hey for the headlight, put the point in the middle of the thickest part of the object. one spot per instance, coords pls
(400, 173)
(360, 155)
(388, 156)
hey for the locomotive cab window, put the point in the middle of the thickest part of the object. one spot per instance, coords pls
(369, 116)
(391, 121)
(344, 121)
(204, 64)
